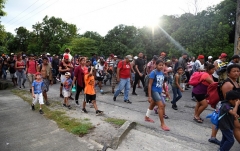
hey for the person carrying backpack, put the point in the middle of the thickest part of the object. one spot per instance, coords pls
(219, 65)
(155, 87)
(228, 113)
(200, 91)
(229, 84)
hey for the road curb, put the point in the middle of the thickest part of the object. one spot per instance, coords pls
(122, 132)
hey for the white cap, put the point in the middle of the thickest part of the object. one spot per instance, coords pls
(115, 56)
(210, 57)
(67, 74)
(48, 54)
(135, 57)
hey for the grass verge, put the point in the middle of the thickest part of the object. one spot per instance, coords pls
(115, 121)
(77, 127)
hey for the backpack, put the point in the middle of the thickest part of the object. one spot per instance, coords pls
(195, 78)
(214, 93)
(146, 81)
(36, 63)
(215, 117)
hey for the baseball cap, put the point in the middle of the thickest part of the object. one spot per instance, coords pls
(31, 55)
(201, 57)
(37, 73)
(210, 57)
(66, 57)
(235, 57)
(223, 55)
(48, 54)
(232, 95)
(135, 57)
(115, 56)
(112, 55)
(67, 74)
(129, 57)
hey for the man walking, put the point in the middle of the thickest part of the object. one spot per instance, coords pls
(139, 69)
(123, 77)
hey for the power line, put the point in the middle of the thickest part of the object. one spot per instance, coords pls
(37, 12)
(31, 12)
(98, 9)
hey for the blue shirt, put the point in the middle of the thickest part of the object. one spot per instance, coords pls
(37, 86)
(67, 84)
(158, 79)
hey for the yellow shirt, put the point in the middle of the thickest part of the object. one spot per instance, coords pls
(89, 85)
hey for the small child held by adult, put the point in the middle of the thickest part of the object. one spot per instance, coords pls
(67, 85)
(90, 92)
(37, 92)
(228, 112)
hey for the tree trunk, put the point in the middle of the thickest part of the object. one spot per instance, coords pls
(237, 30)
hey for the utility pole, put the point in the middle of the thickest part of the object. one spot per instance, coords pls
(237, 31)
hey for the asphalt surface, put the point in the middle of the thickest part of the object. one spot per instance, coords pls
(184, 134)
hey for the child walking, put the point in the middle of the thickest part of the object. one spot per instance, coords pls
(228, 112)
(37, 92)
(89, 91)
(67, 85)
(165, 97)
(176, 88)
(155, 86)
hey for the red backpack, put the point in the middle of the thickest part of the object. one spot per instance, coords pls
(195, 78)
(213, 94)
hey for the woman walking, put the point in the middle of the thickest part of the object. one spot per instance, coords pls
(21, 74)
(200, 91)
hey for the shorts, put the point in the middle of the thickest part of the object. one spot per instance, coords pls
(90, 98)
(199, 97)
(100, 78)
(66, 93)
(45, 86)
(157, 96)
(38, 97)
(13, 75)
(62, 78)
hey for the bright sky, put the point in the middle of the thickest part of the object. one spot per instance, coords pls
(96, 15)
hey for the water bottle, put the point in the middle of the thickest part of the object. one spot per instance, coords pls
(74, 89)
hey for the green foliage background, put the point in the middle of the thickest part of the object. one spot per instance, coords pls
(209, 32)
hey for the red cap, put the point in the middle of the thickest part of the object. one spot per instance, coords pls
(37, 73)
(223, 55)
(66, 57)
(201, 57)
(112, 55)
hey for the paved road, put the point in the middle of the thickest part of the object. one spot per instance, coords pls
(185, 134)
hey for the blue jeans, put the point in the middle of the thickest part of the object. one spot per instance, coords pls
(4, 71)
(177, 95)
(227, 140)
(21, 75)
(123, 84)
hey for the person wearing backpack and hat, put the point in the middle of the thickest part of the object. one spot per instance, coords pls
(228, 112)
(219, 63)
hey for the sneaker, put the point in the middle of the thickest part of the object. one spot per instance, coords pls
(61, 96)
(19, 88)
(77, 102)
(64, 105)
(98, 112)
(33, 107)
(114, 98)
(84, 110)
(134, 93)
(40, 111)
(47, 103)
(127, 101)
(214, 140)
(71, 98)
(174, 107)
(69, 107)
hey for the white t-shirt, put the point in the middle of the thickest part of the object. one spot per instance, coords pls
(215, 73)
(99, 68)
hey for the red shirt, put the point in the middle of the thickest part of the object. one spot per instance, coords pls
(125, 69)
(31, 64)
(79, 74)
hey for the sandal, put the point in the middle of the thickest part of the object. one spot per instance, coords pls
(198, 120)
(149, 120)
(165, 116)
(165, 128)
